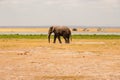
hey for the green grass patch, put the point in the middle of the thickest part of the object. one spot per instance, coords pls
(96, 36)
(19, 36)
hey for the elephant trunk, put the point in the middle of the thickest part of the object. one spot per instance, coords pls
(49, 34)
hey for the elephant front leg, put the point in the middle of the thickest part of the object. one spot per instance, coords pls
(54, 39)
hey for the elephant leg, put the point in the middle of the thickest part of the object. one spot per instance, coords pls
(59, 39)
(68, 39)
(54, 39)
(65, 39)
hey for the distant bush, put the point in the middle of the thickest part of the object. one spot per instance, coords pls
(74, 29)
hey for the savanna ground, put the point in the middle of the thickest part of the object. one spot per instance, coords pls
(82, 59)
(31, 57)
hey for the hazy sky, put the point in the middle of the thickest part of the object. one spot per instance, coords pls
(59, 12)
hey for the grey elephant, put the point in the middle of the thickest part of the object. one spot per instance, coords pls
(59, 31)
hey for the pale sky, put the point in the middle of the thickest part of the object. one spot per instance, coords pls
(59, 12)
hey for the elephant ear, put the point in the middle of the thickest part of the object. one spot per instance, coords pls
(52, 28)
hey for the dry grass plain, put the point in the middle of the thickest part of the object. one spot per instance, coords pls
(36, 59)
(82, 59)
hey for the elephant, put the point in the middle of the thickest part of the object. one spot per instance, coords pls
(59, 31)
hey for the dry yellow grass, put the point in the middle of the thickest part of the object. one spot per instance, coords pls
(23, 29)
(36, 59)
(112, 30)
(46, 30)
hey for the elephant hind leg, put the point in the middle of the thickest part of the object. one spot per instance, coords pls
(68, 39)
(59, 39)
(65, 39)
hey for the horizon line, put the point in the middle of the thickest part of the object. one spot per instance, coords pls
(72, 26)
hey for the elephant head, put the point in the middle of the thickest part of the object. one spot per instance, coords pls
(51, 30)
